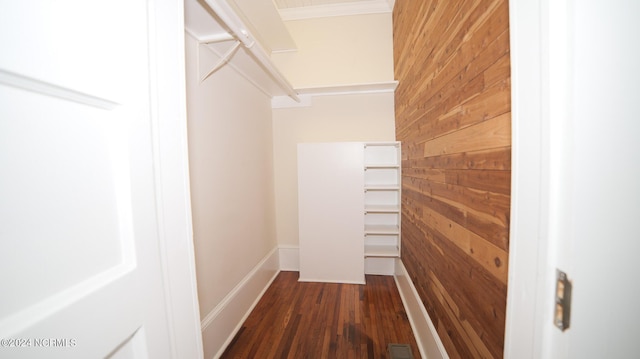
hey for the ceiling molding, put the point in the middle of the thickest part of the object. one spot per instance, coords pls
(306, 94)
(344, 89)
(338, 9)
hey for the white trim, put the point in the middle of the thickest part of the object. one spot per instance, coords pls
(48, 89)
(288, 102)
(337, 9)
(290, 261)
(171, 171)
(392, 4)
(427, 338)
(379, 265)
(313, 280)
(306, 94)
(527, 258)
(289, 258)
(346, 89)
(225, 320)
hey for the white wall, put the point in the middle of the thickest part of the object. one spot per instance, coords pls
(339, 50)
(357, 117)
(230, 150)
(342, 50)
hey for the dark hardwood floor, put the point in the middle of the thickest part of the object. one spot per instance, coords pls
(324, 320)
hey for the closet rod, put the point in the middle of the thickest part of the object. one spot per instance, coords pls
(216, 38)
(240, 31)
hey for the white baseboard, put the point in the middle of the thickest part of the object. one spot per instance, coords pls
(289, 258)
(429, 342)
(223, 322)
(290, 261)
(379, 265)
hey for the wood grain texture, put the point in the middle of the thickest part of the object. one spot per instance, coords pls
(324, 320)
(453, 116)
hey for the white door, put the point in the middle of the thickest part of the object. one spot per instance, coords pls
(577, 176)
(598, 237)
(80, 261)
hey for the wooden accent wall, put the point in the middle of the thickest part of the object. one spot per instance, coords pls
(453, 116)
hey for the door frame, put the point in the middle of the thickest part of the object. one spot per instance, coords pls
(171, 166)
(529, 263)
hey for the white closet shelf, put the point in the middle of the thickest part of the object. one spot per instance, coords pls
(382, 179)
(381, 229)
(381, 209)
(383, 143)
(382, 187)
(372, 250)
(307, 93)
(390, 165)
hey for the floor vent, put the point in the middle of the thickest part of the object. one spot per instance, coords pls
(400, 351)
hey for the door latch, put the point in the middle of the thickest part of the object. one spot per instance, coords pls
(562, 317)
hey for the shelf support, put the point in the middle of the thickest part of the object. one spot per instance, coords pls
(225, 58)
(238, 29)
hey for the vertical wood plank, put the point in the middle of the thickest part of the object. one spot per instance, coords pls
(453, 116)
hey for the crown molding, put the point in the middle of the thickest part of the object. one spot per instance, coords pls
(338, 9)
(306, 94)
(345, 89)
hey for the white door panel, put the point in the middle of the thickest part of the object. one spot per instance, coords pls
(331, 212)
(600, 253)
(64, 208)
(576, 193)
(81, 270)
(100, 43)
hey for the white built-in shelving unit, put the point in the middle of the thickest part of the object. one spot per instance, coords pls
(348, 210)
(382, 199)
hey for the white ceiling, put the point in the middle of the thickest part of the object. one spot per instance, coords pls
(285, 4)
(305, 9)
(261, 17)
(260, 22)
(264, 17)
